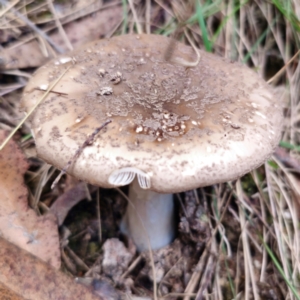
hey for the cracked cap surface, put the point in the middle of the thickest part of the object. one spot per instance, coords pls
(183, 127)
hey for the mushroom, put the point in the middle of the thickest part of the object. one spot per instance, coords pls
(173, 128)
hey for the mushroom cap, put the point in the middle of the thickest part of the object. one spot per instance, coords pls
(180, 128)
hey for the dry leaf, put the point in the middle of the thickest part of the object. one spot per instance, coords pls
(79, 32)
(65, 202)
(35, 280)
(19, 224)
(8, 294)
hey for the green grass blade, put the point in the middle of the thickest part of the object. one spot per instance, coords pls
(287, 11)
(202, 25)
(125, 16)
(209, 9)
(279, 268)
(288, 145)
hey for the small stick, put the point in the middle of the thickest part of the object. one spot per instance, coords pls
(132, 266)
(135, 17)
(58, 93)
(99, 217)
(281, 71)
(207, 277)
(148, 16)
(87, 142)
(59, 26)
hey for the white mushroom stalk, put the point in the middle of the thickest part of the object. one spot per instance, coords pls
(149, 217)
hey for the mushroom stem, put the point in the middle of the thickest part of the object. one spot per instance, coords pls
(156, 211)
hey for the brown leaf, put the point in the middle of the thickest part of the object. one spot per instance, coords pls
(8, 294)
(79, 32)
(65, 202)
(19, 224)
(35, 280)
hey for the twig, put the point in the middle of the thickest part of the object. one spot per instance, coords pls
(8, 7)
(207, 276)
(87, 142)
(135, 17)
(148, 15)
(54, 92)
(249, 270)
(59, 26)
(99, 217)
(132, 266)
(168, 272)
(280, 72)
(78, 261)
(197, 274)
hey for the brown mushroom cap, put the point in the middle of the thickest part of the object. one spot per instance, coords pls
(183, 127)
